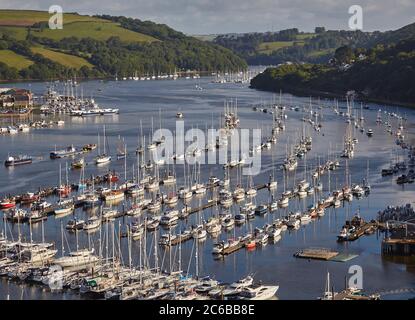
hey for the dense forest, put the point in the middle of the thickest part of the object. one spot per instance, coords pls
(293, 45)
(382, 73)
(171, 50)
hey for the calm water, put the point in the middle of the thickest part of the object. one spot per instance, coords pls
(274, 263)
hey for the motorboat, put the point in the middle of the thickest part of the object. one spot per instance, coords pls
(75, 224)
(169, 218)
(258, 292)
(92, 223)
(64, 207)
(109, 214)
(79, 258)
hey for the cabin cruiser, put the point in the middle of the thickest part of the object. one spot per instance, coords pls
(77, 258)
(169, 218)
(206, 285)
(293, 222)
(167, 239)
(75, 224)
(283, 202)
(92, 223)
(69, 151)
(90, 199)
(17, 160)
(261, 210)
(274, 232)
(240, 218)
(228, 222)
(153, 223)
(108, 214)
(258, 292)
(261, 238)
(64, 207)
(220, 247)
(214, 228)
(236, 287)
(199, 234)
(102, 159)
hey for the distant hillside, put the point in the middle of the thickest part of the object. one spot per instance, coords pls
(380, 73)
(395, 36)
(101, 46)
(271, 48)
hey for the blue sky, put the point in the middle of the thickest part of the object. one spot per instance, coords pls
(228, 16)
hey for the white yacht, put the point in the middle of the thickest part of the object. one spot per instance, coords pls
(258, 292)
(38, 254)
(92, 223)
(237, 287)
(78, 258)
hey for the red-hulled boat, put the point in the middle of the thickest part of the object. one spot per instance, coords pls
(7, 204)
(111, 177)
(29, 198)
(250, 244)
(64, 190)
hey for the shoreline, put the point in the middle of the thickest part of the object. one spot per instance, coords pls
(180, 73)
(326, 94)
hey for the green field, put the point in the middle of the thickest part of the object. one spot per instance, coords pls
(18, 33)
(15, 22)
(14, 60)
(29, 17)
(304, 36)
(205, 37)
(62, 58)
(96, 30)
(269, 47)
(319, 53)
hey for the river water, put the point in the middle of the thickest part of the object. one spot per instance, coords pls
(274, 263)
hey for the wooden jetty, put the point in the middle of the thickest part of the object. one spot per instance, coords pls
(365, 228)
(232, 249)
(398, 246)
(349, 295)
(180, 239)
(316, 254)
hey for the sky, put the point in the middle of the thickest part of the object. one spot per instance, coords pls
(240, 16)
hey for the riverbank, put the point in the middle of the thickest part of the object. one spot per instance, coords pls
(302, 92)
(180, 74)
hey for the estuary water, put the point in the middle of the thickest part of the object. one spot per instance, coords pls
(271, 264)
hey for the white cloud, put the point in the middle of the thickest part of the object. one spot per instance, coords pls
(220, 16)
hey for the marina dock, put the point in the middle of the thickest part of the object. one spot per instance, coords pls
(324, 254)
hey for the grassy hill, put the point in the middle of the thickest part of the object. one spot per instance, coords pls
(291, 45)
(27, 18)
(270, 47)
(101, 46)
(14, 60)
(62, 58)
(18, 23)
(101, 31)
(380, 73)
